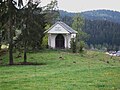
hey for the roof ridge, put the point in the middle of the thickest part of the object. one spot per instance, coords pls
(68, 28)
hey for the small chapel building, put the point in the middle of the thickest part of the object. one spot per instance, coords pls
(59, 35)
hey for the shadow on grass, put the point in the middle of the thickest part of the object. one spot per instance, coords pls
(24, 64)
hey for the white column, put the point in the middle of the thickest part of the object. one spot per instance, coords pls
(67, 41)
(49, 40)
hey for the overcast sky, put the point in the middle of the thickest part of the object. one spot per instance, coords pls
(85, 5)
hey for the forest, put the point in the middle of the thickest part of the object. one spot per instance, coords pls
(103, 32)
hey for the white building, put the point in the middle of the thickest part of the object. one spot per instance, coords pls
(59, 35)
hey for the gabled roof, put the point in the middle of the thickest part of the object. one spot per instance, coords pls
(65, 26)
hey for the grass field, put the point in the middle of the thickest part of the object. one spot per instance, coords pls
(62, 71)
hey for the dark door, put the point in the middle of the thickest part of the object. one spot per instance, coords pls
(59, 41)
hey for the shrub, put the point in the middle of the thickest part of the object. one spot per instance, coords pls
(45, 42)
(73, 45)
(81, 46)
(77, 46)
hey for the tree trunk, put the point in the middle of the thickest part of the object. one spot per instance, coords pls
(25, 52)
(10, 54)
(10, 33)
(0, 46)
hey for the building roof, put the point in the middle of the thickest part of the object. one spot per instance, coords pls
(65, 26)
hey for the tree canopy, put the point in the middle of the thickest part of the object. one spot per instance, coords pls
(30, 20)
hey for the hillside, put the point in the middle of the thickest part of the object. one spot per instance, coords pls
(89, 71)
(108, 15)
(103, 26)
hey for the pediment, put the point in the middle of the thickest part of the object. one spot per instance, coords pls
(57, 29)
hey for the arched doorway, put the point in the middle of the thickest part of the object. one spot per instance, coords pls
(59, 41)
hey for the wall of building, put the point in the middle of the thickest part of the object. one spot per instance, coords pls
(51, 40)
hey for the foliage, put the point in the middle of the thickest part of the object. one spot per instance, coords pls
(101, 26)
(33, 19)
(80, 46)
(77, 47)
(73, 45)
(30, 19)
(51, 12)
(45, 38)
(103, 33)
(108, 15)
(8, 23)
(67, 19)
(45, 41)
(78, 24)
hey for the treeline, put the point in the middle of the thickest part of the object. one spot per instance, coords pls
(102, 33)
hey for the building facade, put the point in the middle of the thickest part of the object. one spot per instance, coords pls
(59, 35)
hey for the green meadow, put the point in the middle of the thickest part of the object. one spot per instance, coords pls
(61, 70)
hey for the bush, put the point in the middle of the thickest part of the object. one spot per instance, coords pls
(77, 46)
(45, 42)
(81, 46)
(73, 45)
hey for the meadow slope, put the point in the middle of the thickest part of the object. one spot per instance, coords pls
(61, 70)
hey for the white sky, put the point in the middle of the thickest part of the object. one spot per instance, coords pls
(85, 5)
